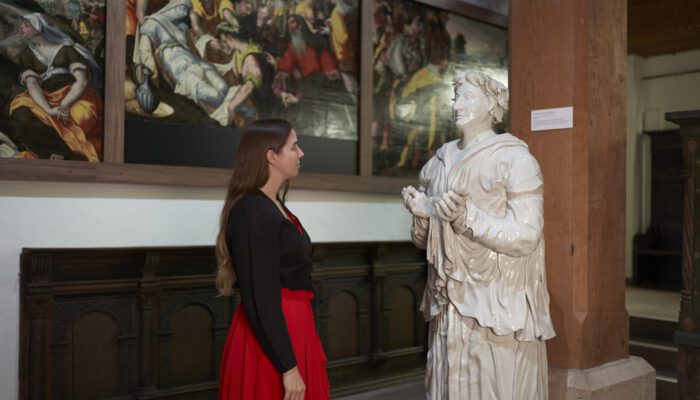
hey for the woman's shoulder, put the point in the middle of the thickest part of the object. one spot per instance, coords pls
(67, 55)
(27, 59)
(255, 204)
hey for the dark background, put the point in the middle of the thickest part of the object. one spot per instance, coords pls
(147, 142)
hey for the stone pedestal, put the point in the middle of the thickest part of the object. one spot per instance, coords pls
(631, 378)
(573, 53)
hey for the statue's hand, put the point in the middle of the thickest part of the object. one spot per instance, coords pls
(417, 202)
(451, 206)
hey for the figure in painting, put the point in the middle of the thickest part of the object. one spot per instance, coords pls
(162, 49)
(479, 214)
(250, 71)
(240, 60)
(416, 49)
(422, 99)
(59, 114)
(308, 84)
(205, 16)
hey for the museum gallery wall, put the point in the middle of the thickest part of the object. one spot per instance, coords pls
(190, 75)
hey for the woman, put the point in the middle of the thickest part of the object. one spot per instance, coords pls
(272, 350)
(62, 81)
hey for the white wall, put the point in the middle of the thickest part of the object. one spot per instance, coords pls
(70, 215)
(655, 85)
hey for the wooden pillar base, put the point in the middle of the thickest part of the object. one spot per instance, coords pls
(631, 378)
(688, 364)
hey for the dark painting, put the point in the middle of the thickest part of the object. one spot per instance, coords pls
(52, 79)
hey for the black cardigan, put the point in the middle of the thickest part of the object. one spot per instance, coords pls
(268, 253)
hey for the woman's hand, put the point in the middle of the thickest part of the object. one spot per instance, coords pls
(294, 388)
(63, 113)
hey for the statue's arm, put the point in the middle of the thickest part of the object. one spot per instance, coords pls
(421, 222)
(519, 231)
(419, 232)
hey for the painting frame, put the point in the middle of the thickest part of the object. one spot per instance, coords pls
(114, 170)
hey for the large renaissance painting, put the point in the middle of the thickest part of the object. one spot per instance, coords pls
(199, 71)
(417, 51)
(52, 79)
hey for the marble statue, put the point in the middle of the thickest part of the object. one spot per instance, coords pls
(479, 214)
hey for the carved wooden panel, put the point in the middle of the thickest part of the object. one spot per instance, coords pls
(192, 358)
(94, 356)
(401, 326)
(342, 326)
(201, 307)
(72, 346)
(146, 323)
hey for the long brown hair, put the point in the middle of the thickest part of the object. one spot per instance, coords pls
(250, 172)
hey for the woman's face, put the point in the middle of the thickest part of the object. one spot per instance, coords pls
(288, 161)
(470, 105)
(26, 30)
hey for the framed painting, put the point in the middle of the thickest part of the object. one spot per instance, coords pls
(199, 71)
(174, 82)
(52, 57)
(417, 50)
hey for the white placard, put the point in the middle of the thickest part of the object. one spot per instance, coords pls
(552, 118)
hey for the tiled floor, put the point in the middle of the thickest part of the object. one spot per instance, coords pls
(640, 302)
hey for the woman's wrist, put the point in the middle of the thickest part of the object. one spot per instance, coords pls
(290, 371)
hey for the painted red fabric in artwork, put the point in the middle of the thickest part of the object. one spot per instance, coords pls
(247, 373)
(310, 62)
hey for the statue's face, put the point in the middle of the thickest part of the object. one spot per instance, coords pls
(470, 105)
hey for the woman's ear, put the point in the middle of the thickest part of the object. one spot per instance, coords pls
(271, 157)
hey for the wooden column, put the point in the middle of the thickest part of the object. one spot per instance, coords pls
(687, 337)
(573, 53)
(376, 259)
(149, 288)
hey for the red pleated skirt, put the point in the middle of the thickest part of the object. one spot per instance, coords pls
(247, 373)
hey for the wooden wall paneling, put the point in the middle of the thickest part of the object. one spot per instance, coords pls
(343, 326)
(90, 365)
(66, 313)
(166, 318)
(192, 352)
(687, 336)
(148, 295)
(366, 273)
(171, 305)
(379, 312)
(401, 320)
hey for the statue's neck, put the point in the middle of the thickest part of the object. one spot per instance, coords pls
(470, 132)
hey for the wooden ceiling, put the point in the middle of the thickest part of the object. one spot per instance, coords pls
(657, 27)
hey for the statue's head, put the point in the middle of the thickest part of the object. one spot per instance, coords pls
(478, 97)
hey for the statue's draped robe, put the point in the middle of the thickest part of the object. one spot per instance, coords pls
(486, 294)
